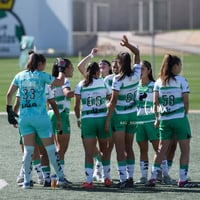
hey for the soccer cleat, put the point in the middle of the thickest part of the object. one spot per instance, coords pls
(87, 185)
(47, 183)
(186, 184)
(40, 180)
(129, 182)
(63, 183)
(159, 176)
(32, 183)
(122, 185)
(107, 182)
(26, 185)
(142, 180)
(151, 183)
(167, 180)
(20, 180)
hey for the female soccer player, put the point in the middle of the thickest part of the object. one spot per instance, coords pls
(145, 130)
(171, 105)
(63, 95)
(122, 112)
(31, 84)
(92, 93)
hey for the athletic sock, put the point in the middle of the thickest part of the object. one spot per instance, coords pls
(164, 167)
(46, 173)
(55, 161)
(122, 170)
(27, 164)
(154, 171)
(21, 173)
(62, 162)
(183, 172)
(89, 172)
(130, 168)
(106, 169)
(144, 166)
(98, 164)
(37, 167)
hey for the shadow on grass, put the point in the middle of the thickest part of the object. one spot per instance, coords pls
(99, 187)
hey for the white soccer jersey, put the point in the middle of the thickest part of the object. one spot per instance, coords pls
(49, 92)
(127, 87)
(109, 79)
(62, 101)
(171, 104)
(93, 98)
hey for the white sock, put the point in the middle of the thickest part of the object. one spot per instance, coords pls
(27, 165)
(144, 166)
(55, 161)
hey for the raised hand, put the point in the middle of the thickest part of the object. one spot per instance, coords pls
(61, 64)
(94, 51)
(124, 41)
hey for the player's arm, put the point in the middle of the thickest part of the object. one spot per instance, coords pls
(16, 104)
(59, 81)
(84, 61)
(56, 111)
(77, 102)
(68, 92)
(11, 114)
(111, 106)
(155, 108)
(186, 102)
(133, 49)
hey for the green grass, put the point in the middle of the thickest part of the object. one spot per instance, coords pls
(191, 70)
(10, 159)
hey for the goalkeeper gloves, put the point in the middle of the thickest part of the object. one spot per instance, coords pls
(11, 115)
(61, 64)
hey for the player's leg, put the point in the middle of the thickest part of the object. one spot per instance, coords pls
(29, 144)
(46, 171)
(89, 146)
(44, 128)
(142, 141)
(37, 162)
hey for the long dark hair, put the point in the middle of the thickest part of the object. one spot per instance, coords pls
(148, 66)
(91, 71)
(125, 62)
(166, 68)
(56, 64)
(34, 60)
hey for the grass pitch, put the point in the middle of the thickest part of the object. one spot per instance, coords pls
(191, 70)
(10, 162)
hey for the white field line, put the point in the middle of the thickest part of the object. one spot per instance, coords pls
(3, 183)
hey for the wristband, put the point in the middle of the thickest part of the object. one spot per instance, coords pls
(91, 55)
(8, 108)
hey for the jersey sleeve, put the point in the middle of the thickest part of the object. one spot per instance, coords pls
(156, 87)
(116, 84)
(66, 84)
(108, 89)
(49, 92)
(48, 78)
(77, 90)
(184, 86)
(137, 70)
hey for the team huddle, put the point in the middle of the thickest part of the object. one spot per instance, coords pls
(113, 103)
